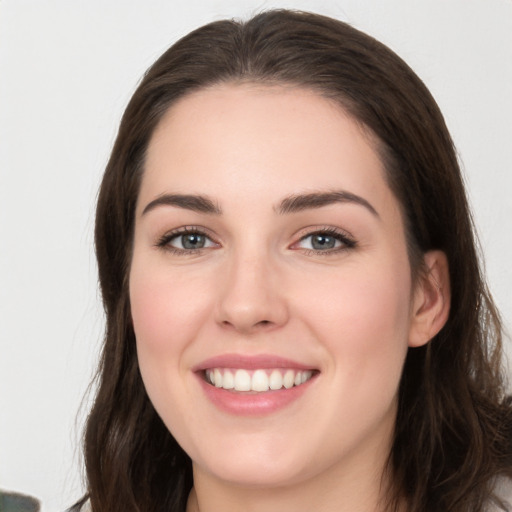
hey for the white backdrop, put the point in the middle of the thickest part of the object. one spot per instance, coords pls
(67, 69)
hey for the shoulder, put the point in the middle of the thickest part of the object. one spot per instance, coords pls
(83, 505)
(503, 493)
(86, 507)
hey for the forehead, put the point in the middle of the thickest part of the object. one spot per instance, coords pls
(261, 141)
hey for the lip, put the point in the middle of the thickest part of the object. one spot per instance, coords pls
(262, 361)
(251, 403)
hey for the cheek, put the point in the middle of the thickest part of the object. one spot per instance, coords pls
(166, 310)
(153, 329)
(363, 318)
(165, 318)
(161, 334)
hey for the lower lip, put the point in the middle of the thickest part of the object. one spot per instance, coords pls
(253, 404)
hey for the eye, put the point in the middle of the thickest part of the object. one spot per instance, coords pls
(186, 240)
(190, 241)
(319, 242)
(326, 241)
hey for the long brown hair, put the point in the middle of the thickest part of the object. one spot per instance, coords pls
(454, 425)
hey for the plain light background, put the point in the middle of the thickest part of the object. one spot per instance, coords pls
(67, 70)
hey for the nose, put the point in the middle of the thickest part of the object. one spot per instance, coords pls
(251, 297)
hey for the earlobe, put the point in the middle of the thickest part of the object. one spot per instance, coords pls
(431, 303)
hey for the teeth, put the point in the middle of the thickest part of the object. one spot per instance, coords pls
(228, 381)
(242, 381)
(289, 378)
(257, 380)
(276, 380)
(217, 378)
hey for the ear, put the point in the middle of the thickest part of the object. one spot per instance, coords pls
(431, 303)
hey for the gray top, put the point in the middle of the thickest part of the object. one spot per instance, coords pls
(503, 492)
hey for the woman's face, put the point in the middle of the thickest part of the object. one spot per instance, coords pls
(270, 286)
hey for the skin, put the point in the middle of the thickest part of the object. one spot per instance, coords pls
(257, 288)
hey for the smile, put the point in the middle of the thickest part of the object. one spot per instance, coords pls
(258, 380)
(255, 385)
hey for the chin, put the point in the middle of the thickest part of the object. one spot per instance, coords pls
(250, 461)
(256, 475)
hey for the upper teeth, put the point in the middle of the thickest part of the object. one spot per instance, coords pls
(256, 380)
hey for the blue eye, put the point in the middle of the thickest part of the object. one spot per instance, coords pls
(189, 241)
(322, 242)
(186, 240)
(325, 241)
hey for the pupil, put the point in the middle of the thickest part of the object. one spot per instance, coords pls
(192, 241)
(323, 242)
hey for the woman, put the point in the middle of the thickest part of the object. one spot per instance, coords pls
(296, 318)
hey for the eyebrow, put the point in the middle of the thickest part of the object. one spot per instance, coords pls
(300, 202)
(291, 204)
(196, 203)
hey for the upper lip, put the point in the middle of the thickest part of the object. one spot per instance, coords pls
(262, 361)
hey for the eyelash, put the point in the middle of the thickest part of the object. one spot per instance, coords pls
(347, 242)
(164, 241)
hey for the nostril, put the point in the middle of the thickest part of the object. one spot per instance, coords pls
(262, 324)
